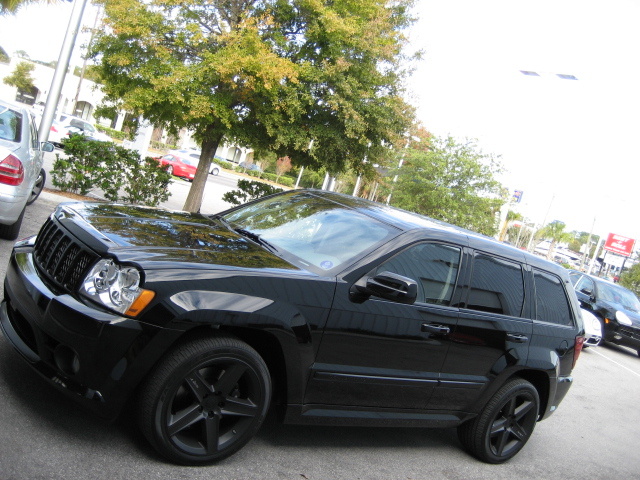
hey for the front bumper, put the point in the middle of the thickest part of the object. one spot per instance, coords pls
(623, 335)
(94, 356)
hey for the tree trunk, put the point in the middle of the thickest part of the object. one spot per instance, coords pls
(196, 192)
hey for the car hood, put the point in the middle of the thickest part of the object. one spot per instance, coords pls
(157, 238)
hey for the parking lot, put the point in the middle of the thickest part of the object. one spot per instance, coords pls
(594, 433)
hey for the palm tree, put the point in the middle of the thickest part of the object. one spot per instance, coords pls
(554, 232)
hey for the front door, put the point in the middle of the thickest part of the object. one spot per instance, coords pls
(380, 353)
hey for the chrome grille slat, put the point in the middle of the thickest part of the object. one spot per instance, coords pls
(60, 257)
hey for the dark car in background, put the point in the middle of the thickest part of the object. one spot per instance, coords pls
(617, 308)
(336, 310)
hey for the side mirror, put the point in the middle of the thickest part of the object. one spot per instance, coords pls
(588, 292)
(47, 147)
(389, 286)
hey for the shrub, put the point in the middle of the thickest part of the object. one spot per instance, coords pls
(111, 169)
(249, 190)
(117, 134)
(286, 181)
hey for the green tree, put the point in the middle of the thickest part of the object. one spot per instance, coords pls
(450, 181)
(4, 57)
(554, 232)
(269, 74)
(21, 77)
(631, 279)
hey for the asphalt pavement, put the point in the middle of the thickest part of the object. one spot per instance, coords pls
(594, 434)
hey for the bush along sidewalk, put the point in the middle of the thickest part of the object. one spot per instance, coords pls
(119, 173)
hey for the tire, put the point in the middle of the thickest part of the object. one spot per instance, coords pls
(504, 425)
(205, 400)
(11, 232)
(170, 170)
(638, 352)
(37, 187)
(215, 171)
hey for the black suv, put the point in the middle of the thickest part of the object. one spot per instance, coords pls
(337, 310)
(617, 308)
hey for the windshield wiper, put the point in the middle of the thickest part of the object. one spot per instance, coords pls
(256, 238)
(247, 233)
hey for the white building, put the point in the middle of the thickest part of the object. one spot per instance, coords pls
(88, 93)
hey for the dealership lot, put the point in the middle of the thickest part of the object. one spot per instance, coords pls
(594, 434)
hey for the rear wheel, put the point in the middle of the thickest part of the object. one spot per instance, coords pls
(37, 187)
(10, 232)
(205, 401)
(215, 171)
(504, 425)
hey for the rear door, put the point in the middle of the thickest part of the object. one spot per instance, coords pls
(493, 332)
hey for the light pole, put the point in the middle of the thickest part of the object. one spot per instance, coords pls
(61, 69)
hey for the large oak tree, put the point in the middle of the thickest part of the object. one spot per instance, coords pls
(267, 74)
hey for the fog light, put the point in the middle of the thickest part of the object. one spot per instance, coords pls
(66, 360)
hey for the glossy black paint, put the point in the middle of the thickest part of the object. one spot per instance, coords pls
(613, 331)
(335, 357)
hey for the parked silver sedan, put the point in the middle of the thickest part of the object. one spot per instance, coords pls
(21, 175)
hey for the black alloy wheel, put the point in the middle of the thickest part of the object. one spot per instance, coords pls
(504, 425)
(205, 401)
(37, 187)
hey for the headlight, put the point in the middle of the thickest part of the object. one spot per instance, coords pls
(623, 319)
(116, 287)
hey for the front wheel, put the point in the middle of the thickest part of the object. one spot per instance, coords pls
(504, 425)
(170, 170)
(205, 400)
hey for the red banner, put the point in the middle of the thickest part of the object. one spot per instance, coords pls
(619, 244)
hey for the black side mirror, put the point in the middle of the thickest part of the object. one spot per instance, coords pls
(389, 286)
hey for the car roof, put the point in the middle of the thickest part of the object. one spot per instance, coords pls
(15, 106)
(409, 221)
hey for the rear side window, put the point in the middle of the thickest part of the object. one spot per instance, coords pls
(552, 304)
(497, 286)
(10, 125)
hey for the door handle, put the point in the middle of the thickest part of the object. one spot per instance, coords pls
(517, 338)
(435, 328)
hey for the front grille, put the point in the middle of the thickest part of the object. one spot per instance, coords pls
(60, 258)
(630, 332)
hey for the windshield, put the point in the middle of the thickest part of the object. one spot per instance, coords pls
(619, 295)
(189, 161)
(318, 232)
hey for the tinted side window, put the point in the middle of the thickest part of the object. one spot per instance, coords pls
(433, 266)
(34, 135)
(497, 286)
(586, 283)
(552, 304)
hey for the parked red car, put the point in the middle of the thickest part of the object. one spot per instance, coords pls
(180, 166)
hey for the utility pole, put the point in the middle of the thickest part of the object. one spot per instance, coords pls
(61, 69)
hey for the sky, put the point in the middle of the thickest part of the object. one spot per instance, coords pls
(569, 145)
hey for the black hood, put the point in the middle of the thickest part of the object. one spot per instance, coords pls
(148, 235)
